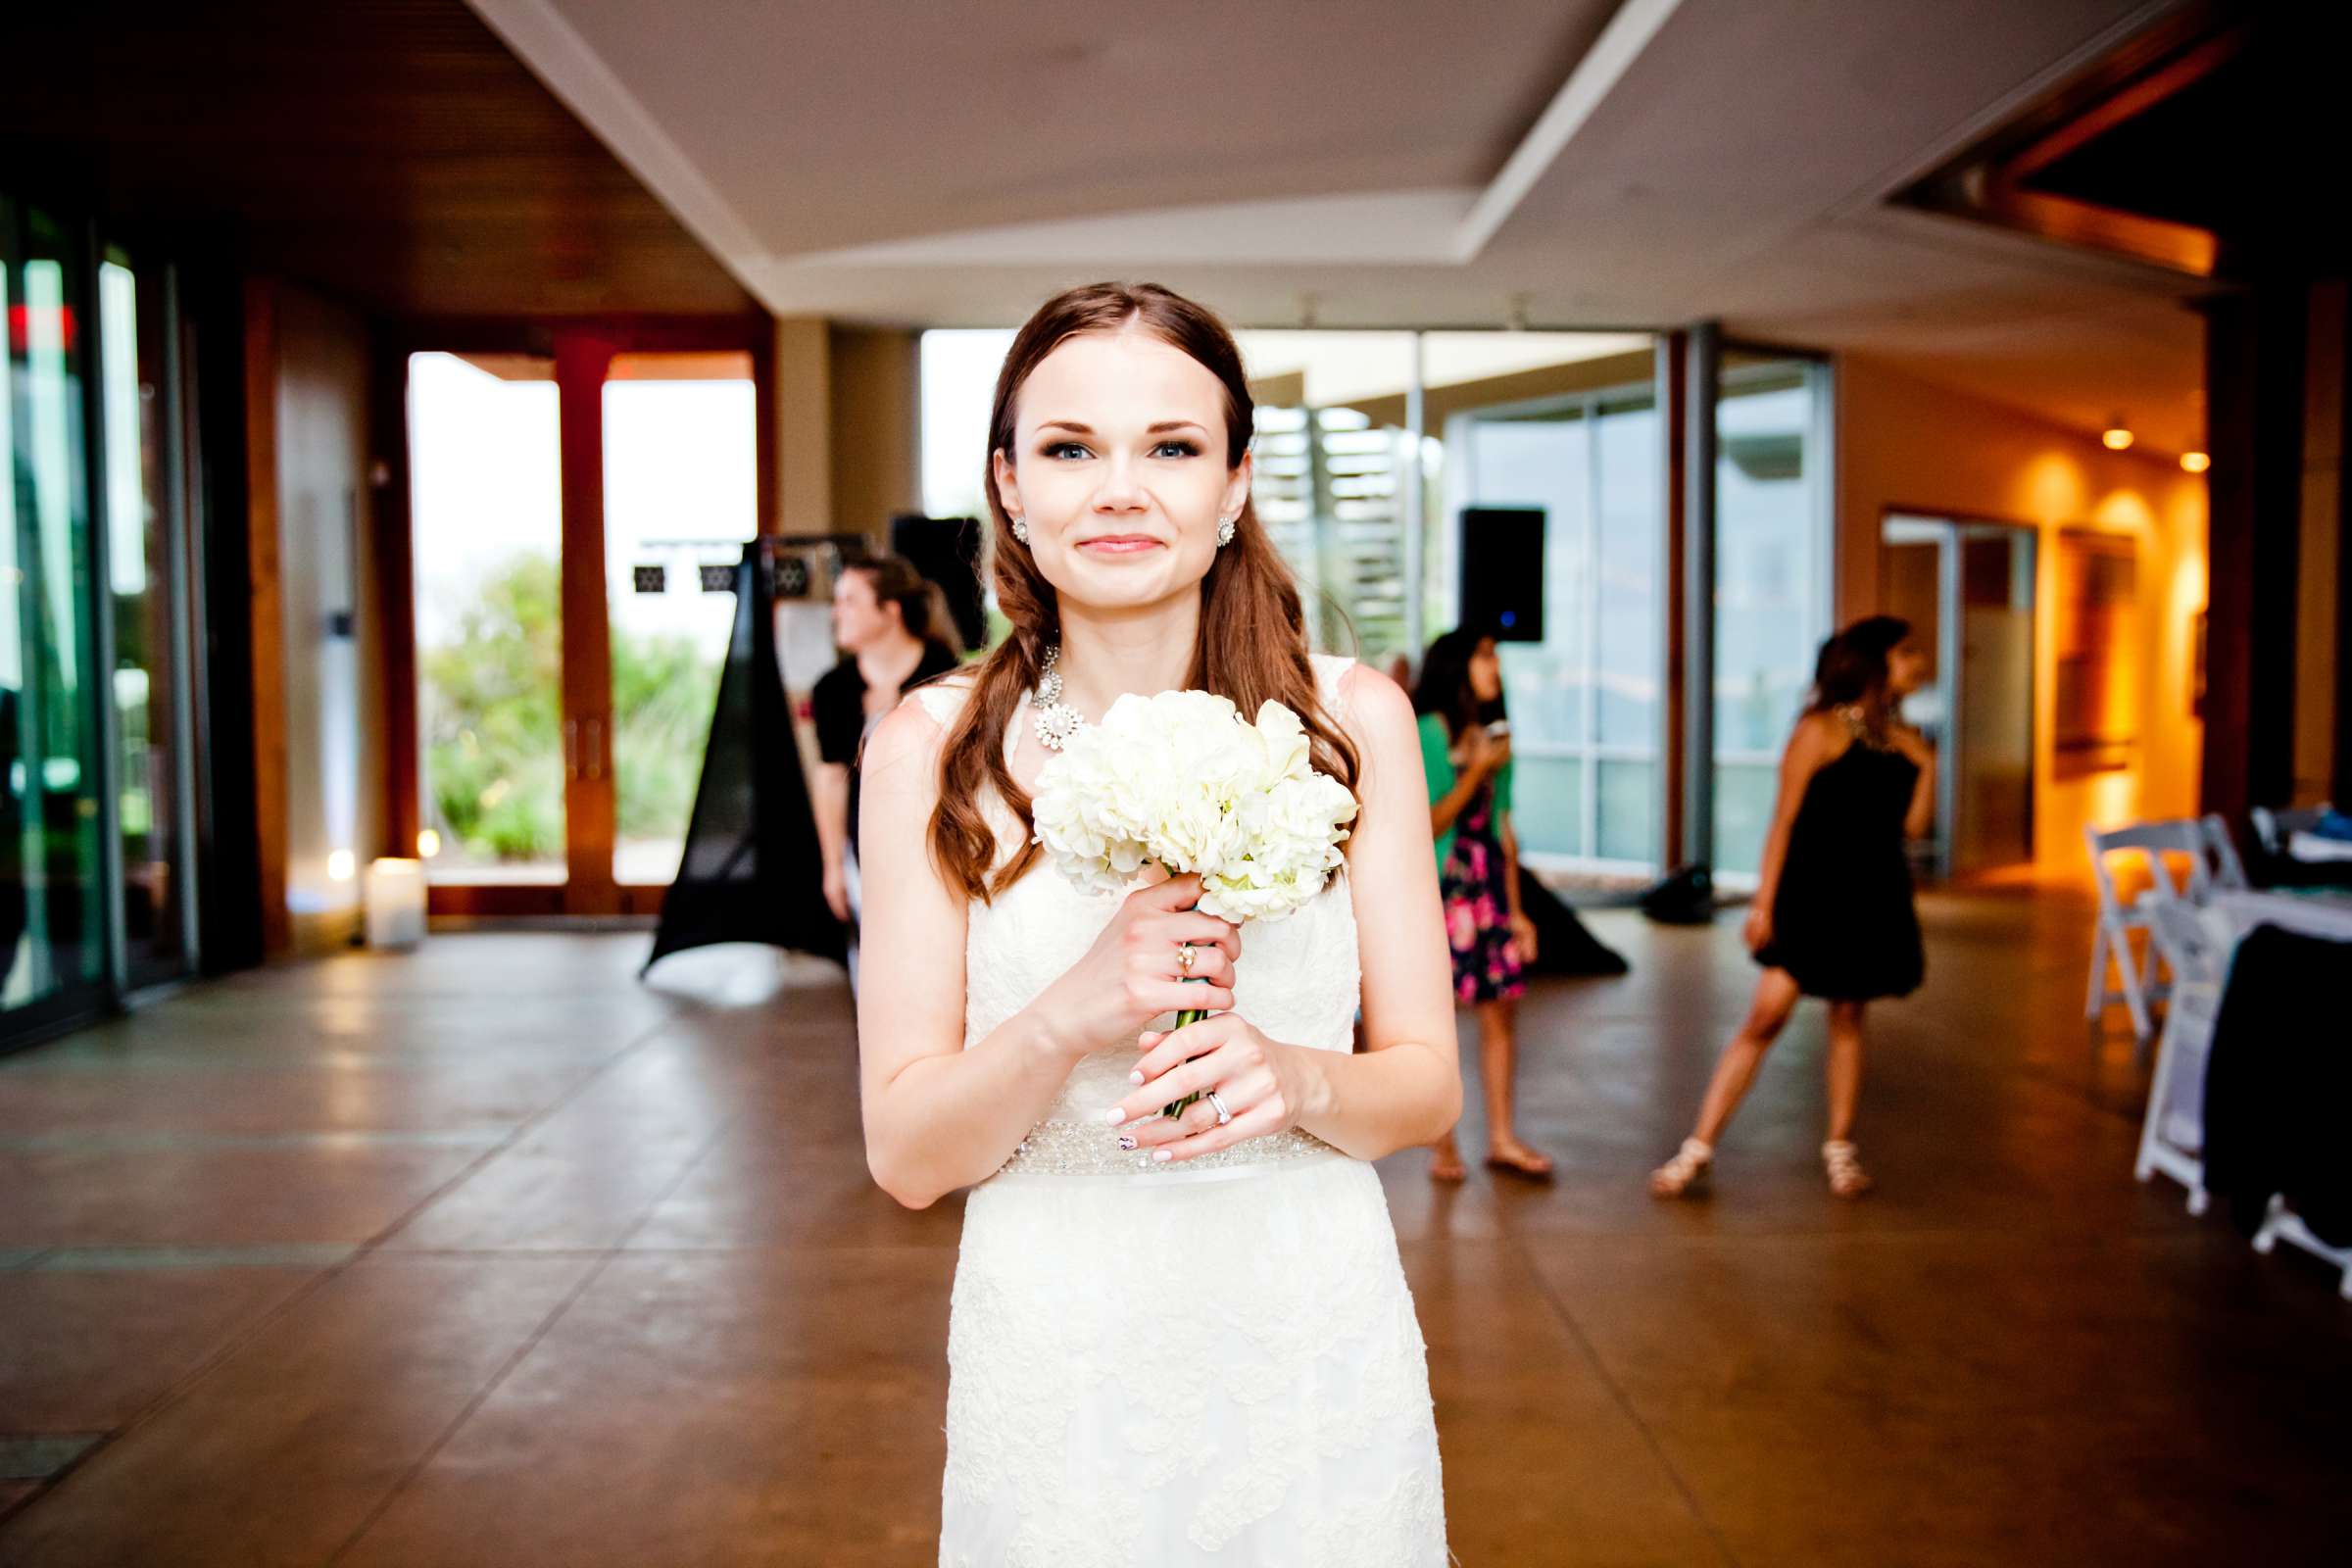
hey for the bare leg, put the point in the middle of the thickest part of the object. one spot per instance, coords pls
(1767, 1014)
(1843, 1068)
(1499, 1061)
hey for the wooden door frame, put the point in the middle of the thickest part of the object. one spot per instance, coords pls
(583, 349)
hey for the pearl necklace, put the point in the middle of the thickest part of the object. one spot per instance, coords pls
(1057, 720)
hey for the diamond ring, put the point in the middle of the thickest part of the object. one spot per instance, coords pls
(1217, 1102)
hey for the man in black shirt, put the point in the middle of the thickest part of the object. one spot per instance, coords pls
(892, 626)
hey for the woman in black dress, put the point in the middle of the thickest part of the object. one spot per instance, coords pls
(1833, 915)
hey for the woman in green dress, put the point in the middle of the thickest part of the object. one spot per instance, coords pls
(1466, 752)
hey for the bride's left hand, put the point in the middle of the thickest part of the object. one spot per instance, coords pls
(1266, 1085)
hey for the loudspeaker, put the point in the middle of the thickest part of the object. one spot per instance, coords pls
(945, 550)
(1503, 572)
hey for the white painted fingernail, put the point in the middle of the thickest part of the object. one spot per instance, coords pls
(1114, 1116)
(1126, 1140)
(1162, 1155)
(1136, 1077)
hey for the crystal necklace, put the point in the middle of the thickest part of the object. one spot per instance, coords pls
(1057, 720)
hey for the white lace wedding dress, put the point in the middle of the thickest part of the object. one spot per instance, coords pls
(1205, 1363)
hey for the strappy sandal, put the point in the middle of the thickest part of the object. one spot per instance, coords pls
(1847, 1178)
(1684, 1172)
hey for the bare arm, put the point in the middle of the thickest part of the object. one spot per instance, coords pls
(939, 1116)
(1920, 817)
(1405, 1088)
(829, 797)
(1484, 757)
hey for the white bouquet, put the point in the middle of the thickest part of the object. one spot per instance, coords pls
(1184, 781)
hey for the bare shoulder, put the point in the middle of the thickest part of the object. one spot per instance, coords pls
(913, 731)
(1368, 694)
(1378, 716)
(1818, 738)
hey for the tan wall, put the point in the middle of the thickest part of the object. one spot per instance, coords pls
(877, 414)
(848, 427)
(333, 754)
(1905, 445)
(804, 415)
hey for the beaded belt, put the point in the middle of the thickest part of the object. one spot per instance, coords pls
(1089, 1149)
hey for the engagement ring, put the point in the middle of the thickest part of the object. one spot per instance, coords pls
(1223, 1116)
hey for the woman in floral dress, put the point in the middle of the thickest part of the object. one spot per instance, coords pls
(1466, 753)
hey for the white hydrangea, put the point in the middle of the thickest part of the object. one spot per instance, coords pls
(1183, 780)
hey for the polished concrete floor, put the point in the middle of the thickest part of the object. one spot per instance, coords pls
(491, 1255)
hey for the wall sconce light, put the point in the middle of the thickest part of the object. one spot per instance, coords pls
(2195, 462)
(2116, 436)
(428, 844)
(339, 865)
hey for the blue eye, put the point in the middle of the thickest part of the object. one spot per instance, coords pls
(1058, 448)
(1181, 449)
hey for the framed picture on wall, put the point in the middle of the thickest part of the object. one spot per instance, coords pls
(2097, 633)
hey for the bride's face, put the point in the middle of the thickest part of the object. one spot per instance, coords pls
(1119, 466)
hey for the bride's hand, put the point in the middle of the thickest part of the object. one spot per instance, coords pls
(1266, 1085)
(1135, 971)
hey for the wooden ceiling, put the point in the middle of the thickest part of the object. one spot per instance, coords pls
(390, 152)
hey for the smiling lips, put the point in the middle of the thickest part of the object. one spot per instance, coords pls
(1119, 544)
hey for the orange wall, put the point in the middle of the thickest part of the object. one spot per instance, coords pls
(1905, 445)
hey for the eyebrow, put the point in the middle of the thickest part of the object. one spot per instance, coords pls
(1161, 428)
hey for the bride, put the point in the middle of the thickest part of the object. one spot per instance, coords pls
(1172, 1341)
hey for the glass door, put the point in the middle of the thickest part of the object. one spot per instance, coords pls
(494, 751)
(52, 813)
(681, 494)
(1966, 588)
(568, 663)
(153, 763)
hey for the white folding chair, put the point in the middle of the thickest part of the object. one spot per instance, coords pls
(2195, 945)
(2225, 872)
(2117, 919)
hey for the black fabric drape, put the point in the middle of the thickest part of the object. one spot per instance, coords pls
(753, 870)
(2279, 1084)
(1562, 944)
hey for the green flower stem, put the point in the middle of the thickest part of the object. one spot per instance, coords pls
(1188, 1015)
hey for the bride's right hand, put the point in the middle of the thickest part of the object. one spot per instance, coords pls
(1133, 973)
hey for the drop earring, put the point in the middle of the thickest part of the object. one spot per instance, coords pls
(1020, 528)
(1224, 532)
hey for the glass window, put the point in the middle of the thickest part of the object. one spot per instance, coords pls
(51, 816)
(1565, 422)
(1771, 594)
(1333, 481)
(1366, 509)
(959, 380)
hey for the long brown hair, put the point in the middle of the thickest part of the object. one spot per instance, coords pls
(1851, 667)
(1252, 638)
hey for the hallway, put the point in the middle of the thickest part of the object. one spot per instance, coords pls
(491, 1255)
